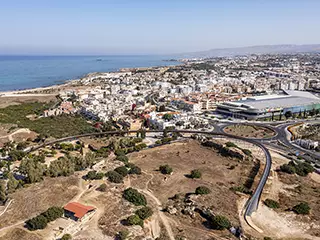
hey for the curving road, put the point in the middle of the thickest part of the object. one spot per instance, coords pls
(253, 202)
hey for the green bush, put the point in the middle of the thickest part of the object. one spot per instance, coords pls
(302, 208)
(135, 170)
(53, 213)
(94, 175)
(102, 187)
(165, 169)
(123, 235)
(231, 144)
(302, 169)
(123, 171)
(202, 190)
(66, 236)
(133, 196)
(144, 212)
(122, 158)
(135, 220)
(247, 152)
(271, 203)
(38, 222)
(196, 173)
(119, 152)
(114, 177)
(220, 222)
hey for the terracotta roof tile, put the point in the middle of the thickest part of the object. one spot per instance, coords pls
(78, 209)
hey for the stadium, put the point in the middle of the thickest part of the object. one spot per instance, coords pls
(269, 106)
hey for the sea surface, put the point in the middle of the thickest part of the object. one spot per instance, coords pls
(25, 72)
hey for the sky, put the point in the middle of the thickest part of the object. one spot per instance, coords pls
(153, 26)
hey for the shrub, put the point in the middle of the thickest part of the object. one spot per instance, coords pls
(92, 175)
(114, 177)
(102, 187)
(123, 235)
(202, 190)
(135, 170)
(38, 222)
(247, 152)
(144, 212)
(196, 173)
(134, 220)
(302, 169)
(231, 144)
(133, 196)
(66, 236)
(122, 158)
(53, 213)
(158, 142)
(119, 152)
(267, 238)
(220, 222)
(302, 208)
(271, 203)
(287, 168)
(123, 171)
(165, 169)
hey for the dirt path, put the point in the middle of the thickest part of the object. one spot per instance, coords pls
(22, 130)
(8, 205)
(162, 216)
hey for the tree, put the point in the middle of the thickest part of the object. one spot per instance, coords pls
(288, 114)
(202, 190)
(144, 212)
(38, 222)
(247, 152)
(231, 144)
(66, 236)
(165, 169)
(114, 177)
(271, 203)
(102, 187)
(302, 208)
(122, 158)
(12, 183)
(3, 196)
(167, 117)
(220, 222)
(196, 173)
(61, 167)
(32, 169)
(135, 220)
(135, 170)
(53, 213)
(123, 235)
(123, 171)
(132, 195)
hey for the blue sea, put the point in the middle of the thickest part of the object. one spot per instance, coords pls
(24, 72)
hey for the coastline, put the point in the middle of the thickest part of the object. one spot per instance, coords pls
(66, 83)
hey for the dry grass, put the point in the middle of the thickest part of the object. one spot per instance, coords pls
(249, 131)
(8, 101)
(20, 234)
(36, 198)
(184, 157)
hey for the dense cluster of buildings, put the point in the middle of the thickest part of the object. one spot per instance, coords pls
(248, 87)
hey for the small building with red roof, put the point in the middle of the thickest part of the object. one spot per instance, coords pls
(78, 211)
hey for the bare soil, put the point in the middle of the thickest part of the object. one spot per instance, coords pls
(184, 157)
(20, 234)
(249, 131)
(8, 101)
(30, 201)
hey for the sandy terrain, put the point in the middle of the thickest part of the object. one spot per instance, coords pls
(15, 100)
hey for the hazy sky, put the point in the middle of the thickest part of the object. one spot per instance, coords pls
(153, 26)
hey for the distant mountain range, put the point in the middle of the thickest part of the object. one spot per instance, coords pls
(263, 49)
